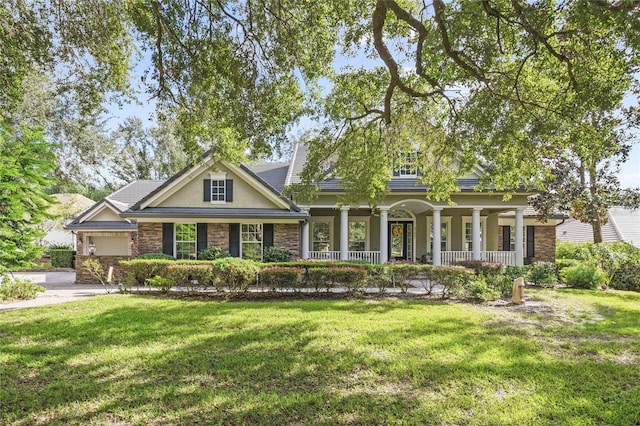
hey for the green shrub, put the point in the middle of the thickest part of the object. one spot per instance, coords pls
(278, 277)
(213, 253)
(577, 251)
(543, 273)
(503, 283)
(14, 289)
(481, 267)
(190, 275)
(351, 278)
(237, 274)
(318, 278)
(584, 276)
(379, 277)
(479, 289)
(454, 279)
(627, 276)
(161, 283)
(137, 271)
(517, 271)
(276, 254)
(565, 263)
(156, 256)
(62, 258)
(403, 273)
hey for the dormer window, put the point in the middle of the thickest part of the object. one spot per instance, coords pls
(218, 189)
(407, 165)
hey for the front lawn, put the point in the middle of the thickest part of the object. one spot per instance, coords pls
(567, 358)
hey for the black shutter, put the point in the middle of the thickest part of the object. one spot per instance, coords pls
(267, 235)
(201, 238)
(234, 239)
(506, 238)
(207, 190)
(531, 239)
(228, 190)
(167, 238)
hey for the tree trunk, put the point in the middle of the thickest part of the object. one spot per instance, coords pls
(596, 225)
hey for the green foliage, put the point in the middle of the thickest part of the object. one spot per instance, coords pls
(137, 271)
(318, 278)
(156, 256)
(62, 258)
(235, 273)
(279, 277)
(18, 289)
(379, 277)
(543, 273)
(480, 290)
(561, 264)
(164, 284)
(95, 269)
(25, 172)
(454, 279)
(190, 275)
(403, 273)
(276, 254)
(481, 267)
(627, 276)
(584, 276)
(514, 271)
(213, 253)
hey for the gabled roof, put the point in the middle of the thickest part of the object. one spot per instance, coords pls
(130, 194)
(243, 171)
(622, 225)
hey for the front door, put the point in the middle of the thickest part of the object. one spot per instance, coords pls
(400, 241)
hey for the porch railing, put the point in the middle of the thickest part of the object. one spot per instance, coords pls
(504, 257)
(366, 256)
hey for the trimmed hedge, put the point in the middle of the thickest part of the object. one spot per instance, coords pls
(584, 276)
(62, 257)
(235, 273)
(482, 267)
(276, 254)
(190, 275)
(280, 277)
(156, 256)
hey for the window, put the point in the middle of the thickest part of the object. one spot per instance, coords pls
(185, 241)
(407, 164)
(357, 235)
(321, 235)
(467, 235)
(251, 241)
(445, 232)
(218, 190)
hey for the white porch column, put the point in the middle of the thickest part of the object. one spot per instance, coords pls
(475, 228)
(344, 233)
(304, 253)
(519, 234)
(437, 232)
(384, 234)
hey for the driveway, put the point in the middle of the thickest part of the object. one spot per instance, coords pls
(59, 287)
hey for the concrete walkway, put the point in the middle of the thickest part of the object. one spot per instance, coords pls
(59, 287)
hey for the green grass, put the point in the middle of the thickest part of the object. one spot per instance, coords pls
(571, 358)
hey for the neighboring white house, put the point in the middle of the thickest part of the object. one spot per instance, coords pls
(70, 206)
(622, 225)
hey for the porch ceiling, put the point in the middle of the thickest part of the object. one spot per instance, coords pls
(413, 206)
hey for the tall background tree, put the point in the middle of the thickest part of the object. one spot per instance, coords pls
(465, 82)
(25, 172)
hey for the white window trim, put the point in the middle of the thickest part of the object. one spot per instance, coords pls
(218, 177)
(366, 220)
(402, 161)
(315, 219)
(175, 237)
(261, 239)
(483, 233)
(443, 219)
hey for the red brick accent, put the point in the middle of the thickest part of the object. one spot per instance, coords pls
(149, 238)
(218, 235)
(83, 276)
(545, 244)
(287, 236)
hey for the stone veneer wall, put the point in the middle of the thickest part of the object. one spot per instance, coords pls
(287, 236)
(544, 245)
(218, 235)
(83, 276)
(149, 238)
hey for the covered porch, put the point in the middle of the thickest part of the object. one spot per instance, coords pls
(404, 231)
